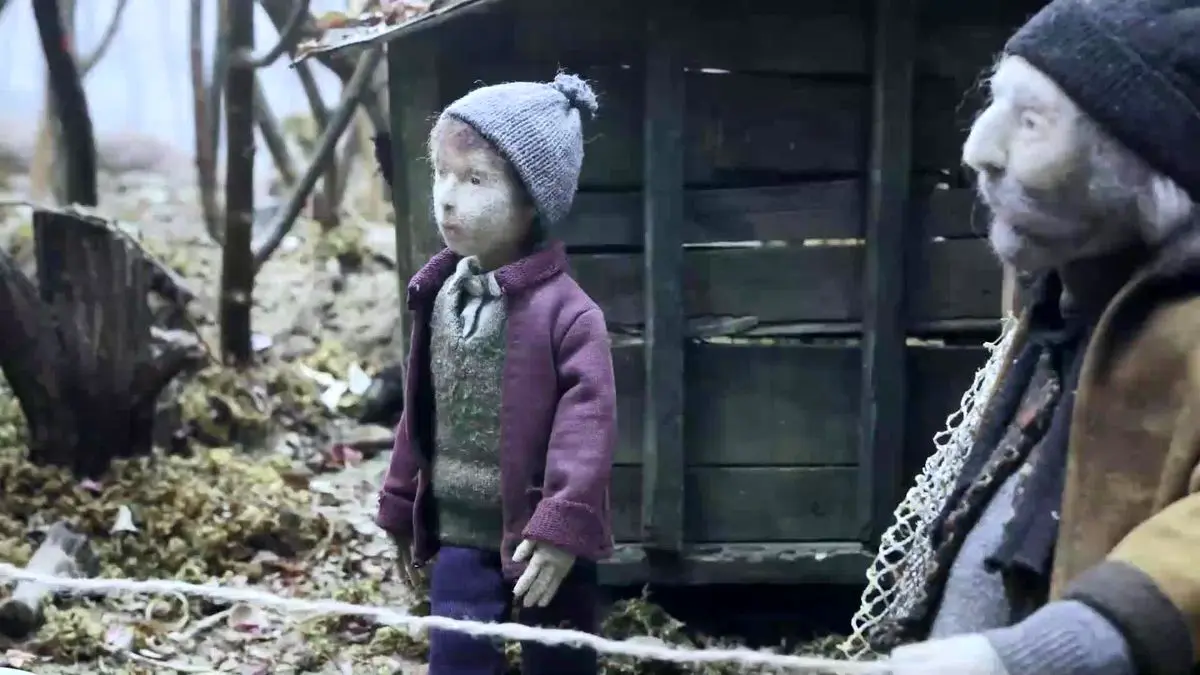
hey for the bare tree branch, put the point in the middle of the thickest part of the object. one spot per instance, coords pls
(312, 92)
(206, 148)
(237, 257)
(285, 218)
(288, 36)
(339, 63)
(69, 105)
(326, 211)
(220, 70)
(272, 133)
(87, 63)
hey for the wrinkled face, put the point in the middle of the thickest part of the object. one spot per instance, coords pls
(479, 204)
(1059, 189)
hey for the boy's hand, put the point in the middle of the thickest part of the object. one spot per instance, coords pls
(547, 568)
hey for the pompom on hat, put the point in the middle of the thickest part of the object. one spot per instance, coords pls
(537, 127)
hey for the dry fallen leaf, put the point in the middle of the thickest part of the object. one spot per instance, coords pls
(247, 618)
(124, 521)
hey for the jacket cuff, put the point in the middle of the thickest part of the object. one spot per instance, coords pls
(575, 528)
(395, 515)
(1063, 638)
(1158, 635)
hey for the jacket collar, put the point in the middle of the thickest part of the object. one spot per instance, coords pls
(513, 279)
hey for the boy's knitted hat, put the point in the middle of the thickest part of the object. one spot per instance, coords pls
(1133, 66)
(536, 127)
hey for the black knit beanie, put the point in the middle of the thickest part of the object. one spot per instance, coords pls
(1134, 67)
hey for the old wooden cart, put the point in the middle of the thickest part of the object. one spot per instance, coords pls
(773, 218)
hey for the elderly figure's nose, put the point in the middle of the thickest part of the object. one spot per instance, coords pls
(986, 147)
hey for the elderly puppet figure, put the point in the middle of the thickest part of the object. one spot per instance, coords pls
(1071, 544)
(504, 450)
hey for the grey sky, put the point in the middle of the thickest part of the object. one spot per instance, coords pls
(142, 85)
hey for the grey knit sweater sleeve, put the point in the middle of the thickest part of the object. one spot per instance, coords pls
(1063, 638)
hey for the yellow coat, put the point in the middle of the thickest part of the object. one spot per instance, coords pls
(1129, 534)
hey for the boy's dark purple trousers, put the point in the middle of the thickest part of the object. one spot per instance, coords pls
(467, 583)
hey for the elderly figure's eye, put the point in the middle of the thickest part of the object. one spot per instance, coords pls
(475, 179)
(1030, 121)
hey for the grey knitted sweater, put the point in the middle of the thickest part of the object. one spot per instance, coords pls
(467, 362)
(1061, 638)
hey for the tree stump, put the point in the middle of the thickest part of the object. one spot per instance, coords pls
(79, 355)
(63, 553)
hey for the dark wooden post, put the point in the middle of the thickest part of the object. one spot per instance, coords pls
(663, 458)
(414, 98)
(881, 441)
(237, 257)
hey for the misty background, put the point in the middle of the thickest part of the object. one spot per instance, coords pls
(141, 88)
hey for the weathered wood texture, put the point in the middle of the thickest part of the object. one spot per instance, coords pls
(662, 492)
(950, 280)
(772, 423)
(78, 352)
(745, 128)
(889, 244)
(415, 100)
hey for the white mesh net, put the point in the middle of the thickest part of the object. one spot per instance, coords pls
(895, 578)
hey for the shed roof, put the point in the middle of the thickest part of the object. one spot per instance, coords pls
(400, 18)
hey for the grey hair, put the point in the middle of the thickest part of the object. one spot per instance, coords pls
(1162, 206)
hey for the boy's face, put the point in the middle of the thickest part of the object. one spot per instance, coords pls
(479, 204)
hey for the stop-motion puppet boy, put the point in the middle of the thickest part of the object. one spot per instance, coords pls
(504, 452)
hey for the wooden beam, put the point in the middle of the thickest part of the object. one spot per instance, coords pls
(662, 487)
(414, 98)
(887, 238)
(828, 562)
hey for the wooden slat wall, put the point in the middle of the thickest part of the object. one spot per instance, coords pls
(776, 148)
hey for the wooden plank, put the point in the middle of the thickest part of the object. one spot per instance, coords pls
(398, 93)
(742, 129)
(938, 376)
(752, 404)
(781, 407)
(957, 279)
(791, 213)
(951, 213)
(414, 102)
(885, 253)
(826, 562)
(750, 504)
(662, 487)
(814, 37)
(818, 210)
(788, 405)
(944, 109)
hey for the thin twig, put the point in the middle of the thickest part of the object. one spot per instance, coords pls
(285, 218)
(220, 70)
(339, 63)
(320, 112)
(86, 64)
(206, 149)
(272, 133)
(288, 35)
